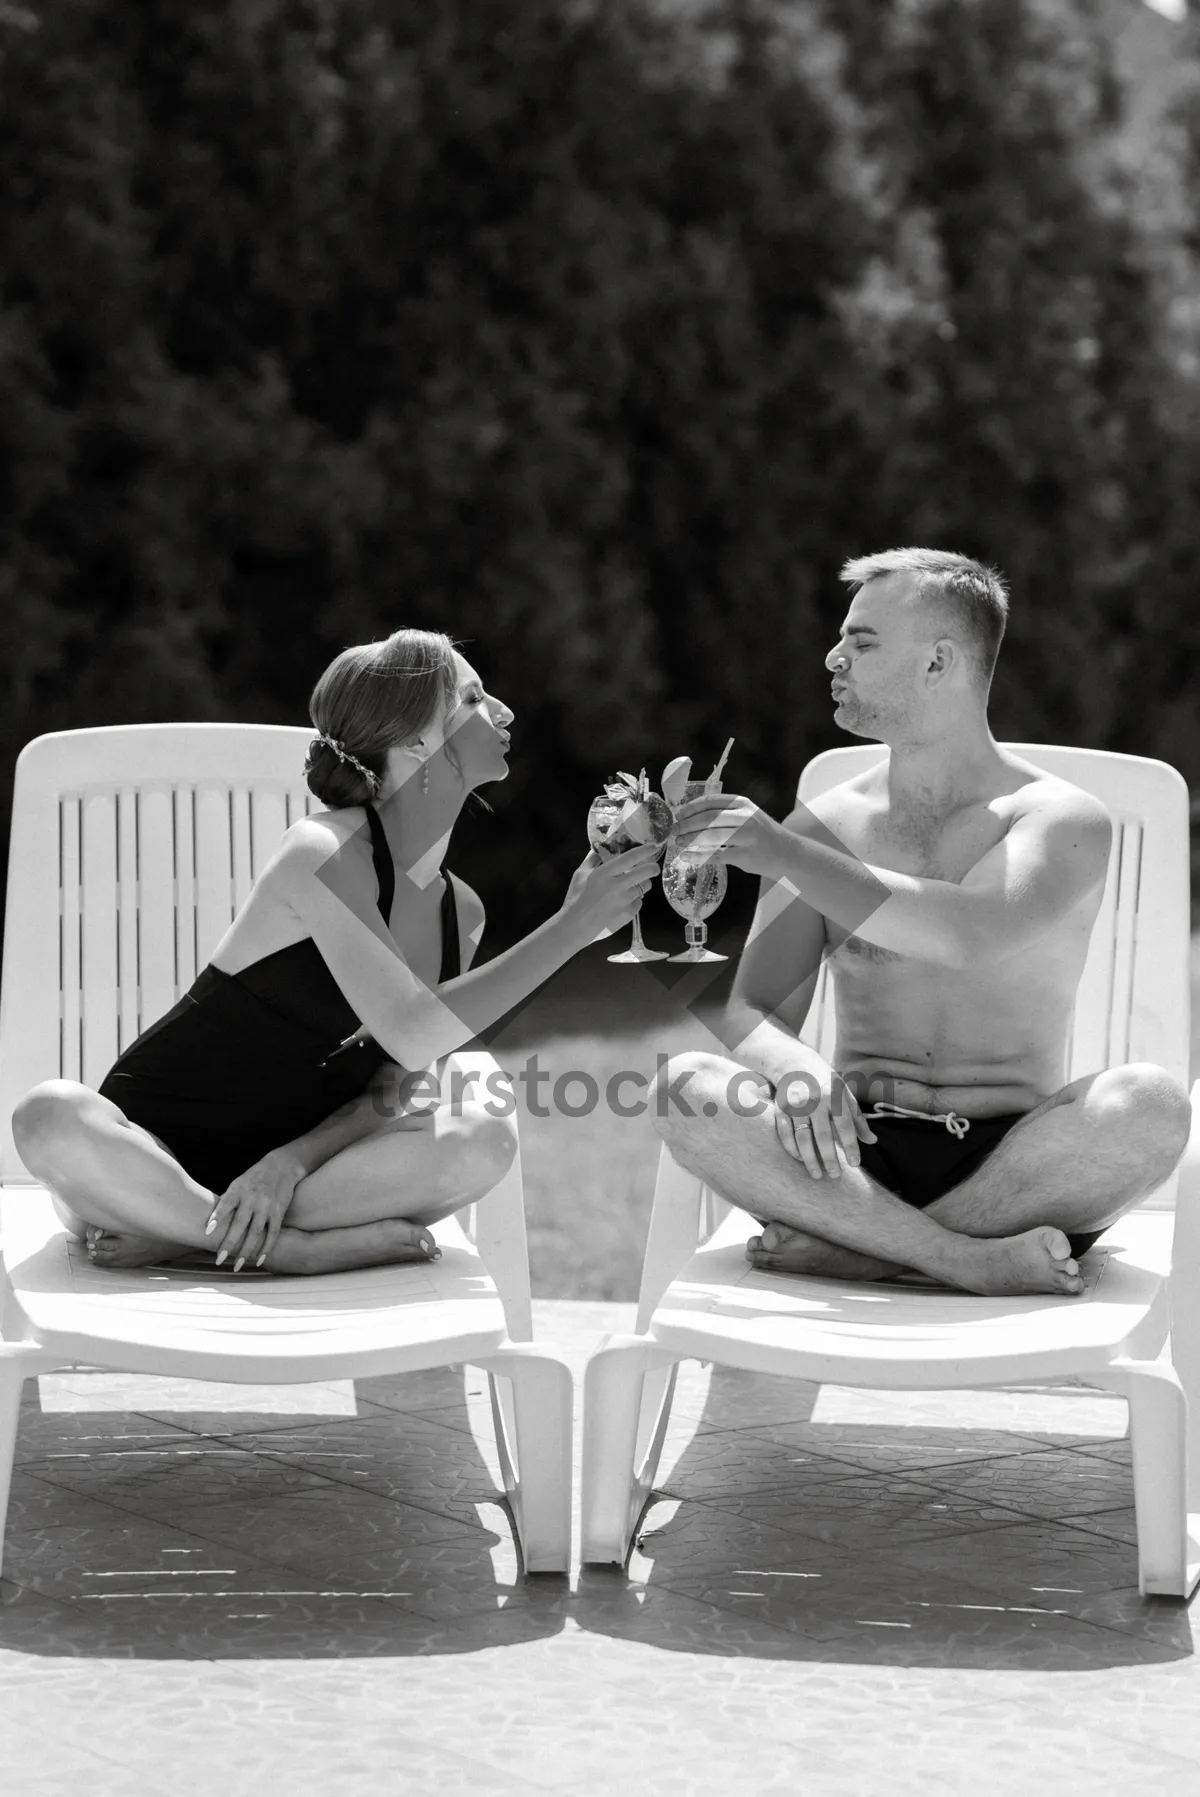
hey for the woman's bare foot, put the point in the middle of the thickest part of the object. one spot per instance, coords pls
(1007, 1266)
(391, 1241)
(109, 1248)
(782, 1250)
(386, 1243)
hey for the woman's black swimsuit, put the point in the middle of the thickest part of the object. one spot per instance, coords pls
(246, 1061)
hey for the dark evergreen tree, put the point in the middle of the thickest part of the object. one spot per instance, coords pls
(598, 332)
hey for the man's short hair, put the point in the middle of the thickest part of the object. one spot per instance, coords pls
(975, 595)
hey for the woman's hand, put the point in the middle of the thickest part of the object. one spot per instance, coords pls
(606, 891)
(725, 827)
(248, 1215)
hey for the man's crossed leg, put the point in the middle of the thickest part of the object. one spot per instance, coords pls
(1070, 1166)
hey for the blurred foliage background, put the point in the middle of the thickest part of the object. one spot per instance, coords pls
(597, 332)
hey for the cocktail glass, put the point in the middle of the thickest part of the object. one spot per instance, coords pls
(694, 889)
(623, 816)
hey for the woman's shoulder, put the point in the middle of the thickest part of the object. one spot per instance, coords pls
(308, 846)
(323, 832)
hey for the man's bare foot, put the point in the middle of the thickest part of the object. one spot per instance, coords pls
(1007, 1266)
(782, 1250)
(1037, 1261)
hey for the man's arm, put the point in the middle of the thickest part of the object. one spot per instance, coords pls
(774, 984)
(1053, 856)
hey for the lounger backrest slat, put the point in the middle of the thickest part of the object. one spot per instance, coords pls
(1103, 1026)
(268, 821)
(67, 903)
(184, 845)
(214, 867)
(128, 947)
(131, 850)
(96, 898)
(157, 902)
(239, 844)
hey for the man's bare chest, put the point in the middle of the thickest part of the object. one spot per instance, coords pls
(925, 846)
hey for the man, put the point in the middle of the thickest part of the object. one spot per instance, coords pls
(953, 890)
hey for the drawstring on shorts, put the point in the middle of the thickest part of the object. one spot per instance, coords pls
(958, 1126)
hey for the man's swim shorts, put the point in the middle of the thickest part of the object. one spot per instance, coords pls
(920, 1157)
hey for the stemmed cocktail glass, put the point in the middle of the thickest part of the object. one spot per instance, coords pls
(625, 814)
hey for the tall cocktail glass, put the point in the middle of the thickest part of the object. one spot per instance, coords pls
(694, 889)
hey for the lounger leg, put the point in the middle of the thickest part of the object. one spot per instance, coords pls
(13, 1368)
(1168, 1554)
(533, 1406)
(615, 1486)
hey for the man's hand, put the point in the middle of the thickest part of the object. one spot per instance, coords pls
(815, 1117)
(728, 828)
(248, 1215)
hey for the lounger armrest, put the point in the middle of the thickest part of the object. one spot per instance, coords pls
(11, 1316)
(1189, 1166)
(1185, 1291)
(1186, 1251)
(678, 1223)
(496, 1223)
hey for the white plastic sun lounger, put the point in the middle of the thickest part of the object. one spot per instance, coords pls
(1136, 1328)
(131, 850)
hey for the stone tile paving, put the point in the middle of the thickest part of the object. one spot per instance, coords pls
(212, 1590)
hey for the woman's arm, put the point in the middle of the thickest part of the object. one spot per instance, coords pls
(360, 1117)
(471, 919)
(390, 1092)
(379, 1099)
(328, 884)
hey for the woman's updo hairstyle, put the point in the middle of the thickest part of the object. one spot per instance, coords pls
(370, 698)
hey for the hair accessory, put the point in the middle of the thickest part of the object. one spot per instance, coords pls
(331, 742)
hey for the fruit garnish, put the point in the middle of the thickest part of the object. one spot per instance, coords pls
(659, 814)
(644, 816)
(647, 820)
(625, 786)
(675, 779)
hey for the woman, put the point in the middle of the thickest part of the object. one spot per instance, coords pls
(255, 1119)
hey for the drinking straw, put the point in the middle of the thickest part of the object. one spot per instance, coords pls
(713, 783)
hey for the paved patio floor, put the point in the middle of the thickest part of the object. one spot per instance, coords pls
(212, 1591)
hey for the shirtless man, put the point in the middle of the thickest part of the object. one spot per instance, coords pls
(953, 889)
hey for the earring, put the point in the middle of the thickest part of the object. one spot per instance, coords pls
(424, 777)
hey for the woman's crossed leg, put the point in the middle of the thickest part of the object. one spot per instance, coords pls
(119, 1187)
